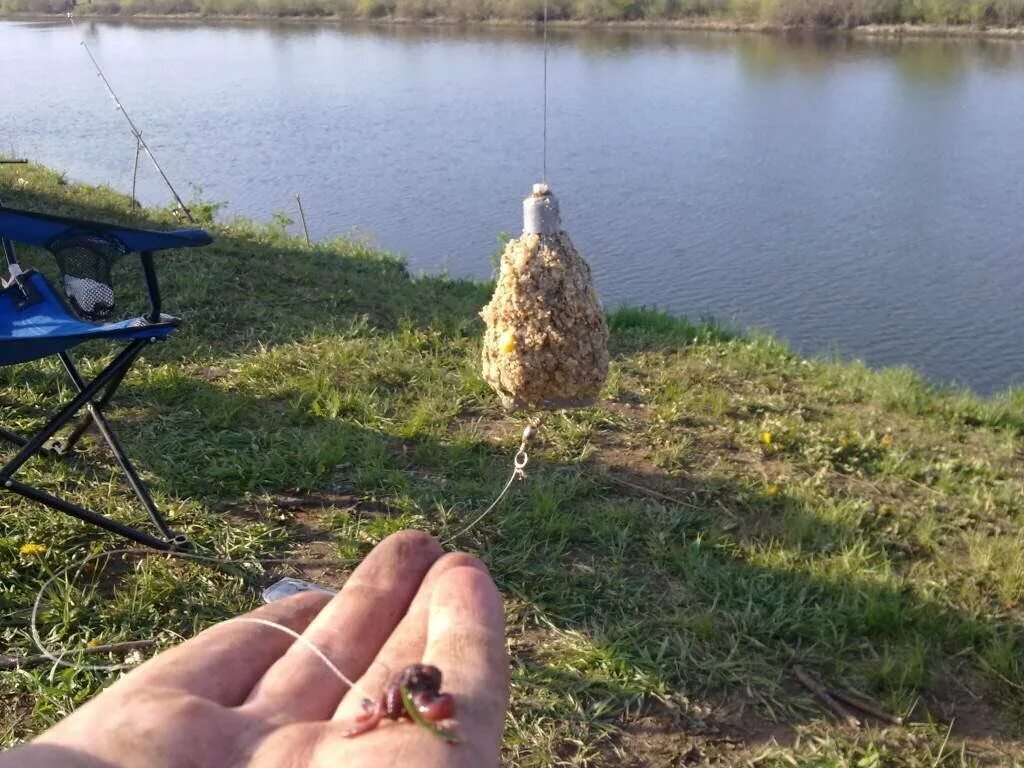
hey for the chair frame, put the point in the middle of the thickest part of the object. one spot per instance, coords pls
(92, 397)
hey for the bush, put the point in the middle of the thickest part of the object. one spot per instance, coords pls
(806, 13)
(35, 6)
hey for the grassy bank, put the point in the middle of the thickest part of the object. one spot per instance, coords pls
(726, 511)
(895, 16)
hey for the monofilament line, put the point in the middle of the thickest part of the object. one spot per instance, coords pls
(544, 174)
(141, 142)
(306, 643)
(60, 661)
(519, 463)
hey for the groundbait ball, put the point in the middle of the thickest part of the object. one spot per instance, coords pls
(546, 343)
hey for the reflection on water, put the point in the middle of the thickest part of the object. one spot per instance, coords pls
(920, 60)
(854, 195)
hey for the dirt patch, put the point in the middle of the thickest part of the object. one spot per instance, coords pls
(212, 373)
(304, 515)
(306, 509)
(15, 714)
(662, 738)
(617, 457)
(315, 561)
(961, 701)
(497, 430)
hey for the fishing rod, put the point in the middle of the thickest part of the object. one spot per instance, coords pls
(140, 142)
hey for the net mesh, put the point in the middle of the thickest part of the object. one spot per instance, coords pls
(86, 263)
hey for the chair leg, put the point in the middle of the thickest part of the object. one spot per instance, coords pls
(91, 517)
(96, 416)
(136, 483)
(107, 382)
(11, 437)
(68, 412)
(63, 446)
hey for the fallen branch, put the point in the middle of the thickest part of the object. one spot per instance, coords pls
(654, 493)
(865, 706)
(31, 661)
(825, 697)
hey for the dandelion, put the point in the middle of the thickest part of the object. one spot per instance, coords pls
(33, 549)
(886, 441)
(767, 438)
(773, 489)
(94, 643)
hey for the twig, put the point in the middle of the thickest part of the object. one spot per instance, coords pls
(921, 485)
(823, 695)
(865, 706)
(298, 562)
(652, 492)
(31, 661)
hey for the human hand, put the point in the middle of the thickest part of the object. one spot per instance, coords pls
(243, 694)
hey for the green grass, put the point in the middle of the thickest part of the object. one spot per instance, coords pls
(727, 510)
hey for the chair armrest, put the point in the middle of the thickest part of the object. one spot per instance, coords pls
(44, 229)
(150, 241)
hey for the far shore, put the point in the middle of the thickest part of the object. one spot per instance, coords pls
(683, 25)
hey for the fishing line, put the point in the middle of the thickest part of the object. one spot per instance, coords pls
(519, 463)
(307, 643)
(544, 174)
(141, 142)
(520, 460)
(58, 658)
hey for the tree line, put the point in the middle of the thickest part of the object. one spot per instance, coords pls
(812, 13)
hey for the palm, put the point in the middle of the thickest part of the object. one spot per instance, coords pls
(241, 694)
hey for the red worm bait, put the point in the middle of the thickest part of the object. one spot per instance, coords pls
(422, 684)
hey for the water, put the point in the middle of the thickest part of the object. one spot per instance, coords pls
(856, 197)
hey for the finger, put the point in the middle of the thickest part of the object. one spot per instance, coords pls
(350, 630)
(407, 643)
(224, 662)
(466, 641)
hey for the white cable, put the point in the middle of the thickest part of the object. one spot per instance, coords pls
(59, 659)
(519, 465)
(305, 641)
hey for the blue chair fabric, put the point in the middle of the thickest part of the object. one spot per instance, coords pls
(47, 327)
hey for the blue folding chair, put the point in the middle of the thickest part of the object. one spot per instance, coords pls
(36, 321)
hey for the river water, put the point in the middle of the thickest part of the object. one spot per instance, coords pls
(859, 198)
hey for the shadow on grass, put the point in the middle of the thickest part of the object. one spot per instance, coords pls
(649, 603)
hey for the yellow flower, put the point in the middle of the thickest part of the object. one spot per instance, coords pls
(33, 549)
(773, 489)
(94, 642)
(886, 441)
(507, 342)
(766, 438)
